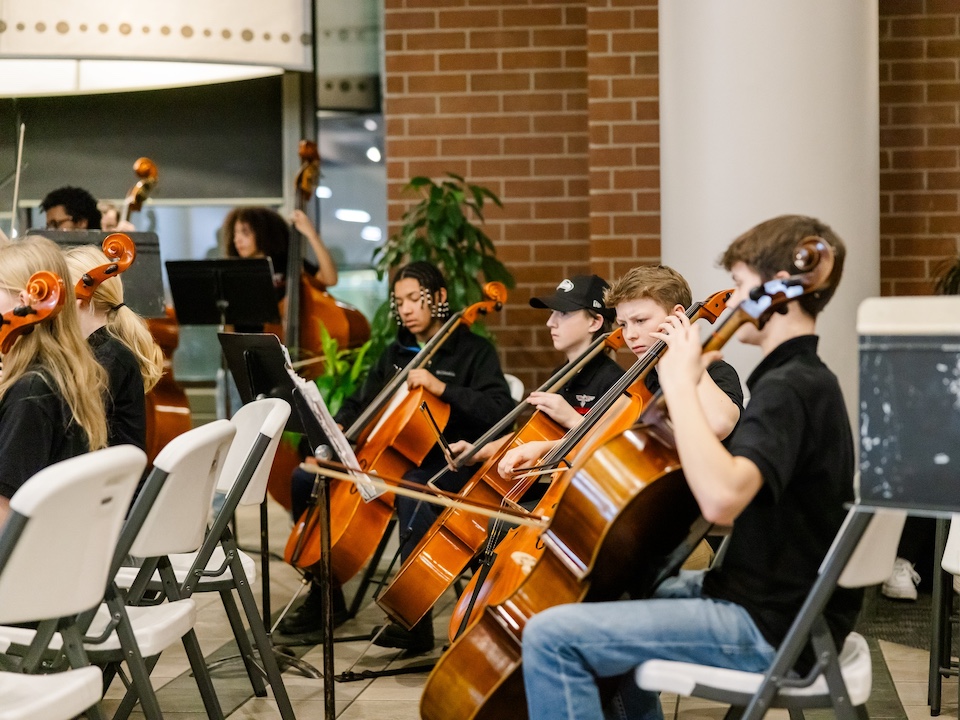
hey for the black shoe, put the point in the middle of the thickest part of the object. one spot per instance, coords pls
(308, 618)
(418, 640)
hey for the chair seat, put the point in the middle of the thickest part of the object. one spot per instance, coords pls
(58, 696)
(181, 566)
(156, 627)
(691, 679)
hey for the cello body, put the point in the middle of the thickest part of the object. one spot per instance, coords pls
(626, 506)
(457, 536)
(522, 546)
(395, 445)
(168, 410)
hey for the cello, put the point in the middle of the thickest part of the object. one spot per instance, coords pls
(458, 535)
(121, 251)
(627, 505)
(168, 410)
(520, 549)
(393, 435)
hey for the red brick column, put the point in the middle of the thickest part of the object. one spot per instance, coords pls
(919, 139)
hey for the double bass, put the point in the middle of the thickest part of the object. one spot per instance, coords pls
(393, 435)
(167, 407)
(307, 310)
(627, 505)
(307, 306)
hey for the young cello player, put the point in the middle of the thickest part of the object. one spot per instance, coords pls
(465, 373)
(781, 482)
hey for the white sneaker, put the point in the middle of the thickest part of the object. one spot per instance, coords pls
(903, 581)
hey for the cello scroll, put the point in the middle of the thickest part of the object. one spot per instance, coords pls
(121, 251)
(46, 295)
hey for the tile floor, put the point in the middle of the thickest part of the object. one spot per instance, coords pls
(397, 697)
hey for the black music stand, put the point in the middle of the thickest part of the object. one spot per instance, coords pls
(258, 366)
(226, 291)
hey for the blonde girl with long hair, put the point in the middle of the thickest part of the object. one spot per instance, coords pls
(52, 390)
(122, 344)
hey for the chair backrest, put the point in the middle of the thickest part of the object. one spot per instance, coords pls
(951, 552)
(187, 468)
(265, 417)
(872, 559)
(516, 387)
(57, 545)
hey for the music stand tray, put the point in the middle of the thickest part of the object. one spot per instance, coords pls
(225, 291)
(258, 366)
(142, 282)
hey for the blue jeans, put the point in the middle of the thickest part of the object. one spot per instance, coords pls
(565, 648)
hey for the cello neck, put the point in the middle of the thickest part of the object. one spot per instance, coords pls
(554, 383)
(291, 319)
(389, 390)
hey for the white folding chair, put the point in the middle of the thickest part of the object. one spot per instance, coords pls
(862, 554)
(60, 696)
(219, 565)
(942, 616)
(66, 519)
(169, 516)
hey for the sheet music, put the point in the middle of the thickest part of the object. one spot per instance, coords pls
(339, 441)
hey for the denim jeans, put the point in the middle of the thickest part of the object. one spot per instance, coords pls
(565, 648)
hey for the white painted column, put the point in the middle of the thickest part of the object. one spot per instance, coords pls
(770, 107)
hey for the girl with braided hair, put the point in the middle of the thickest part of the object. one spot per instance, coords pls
(464, 373)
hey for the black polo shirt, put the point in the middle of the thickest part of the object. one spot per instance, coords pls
(589, 385)
(796, 431)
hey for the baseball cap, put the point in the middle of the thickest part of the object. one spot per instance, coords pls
(580, 292)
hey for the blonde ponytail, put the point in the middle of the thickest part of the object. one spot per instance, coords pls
(122, 322)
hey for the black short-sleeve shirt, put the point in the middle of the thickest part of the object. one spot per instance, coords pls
(796, 431)
(126, 406)
(589, 385)
(36, 430)
(722, 373)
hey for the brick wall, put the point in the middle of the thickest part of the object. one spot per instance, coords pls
(498, 91)
(554, 106)
(624, 135)
(919, 139)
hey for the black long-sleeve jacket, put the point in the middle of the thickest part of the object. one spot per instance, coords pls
(476, 391)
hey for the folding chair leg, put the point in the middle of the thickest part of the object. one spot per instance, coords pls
(202, 675)
(260, 637)
(132, 697)
(139, 673)
(243, 644)
(795, 713)
(77, 658)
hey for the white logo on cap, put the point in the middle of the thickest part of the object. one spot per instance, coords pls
(566, 286)
(597, 304)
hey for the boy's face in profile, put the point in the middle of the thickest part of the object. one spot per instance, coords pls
(745, 279)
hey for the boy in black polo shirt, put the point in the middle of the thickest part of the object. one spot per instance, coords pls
(782, 484)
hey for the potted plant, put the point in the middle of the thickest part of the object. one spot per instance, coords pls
(441, 229)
